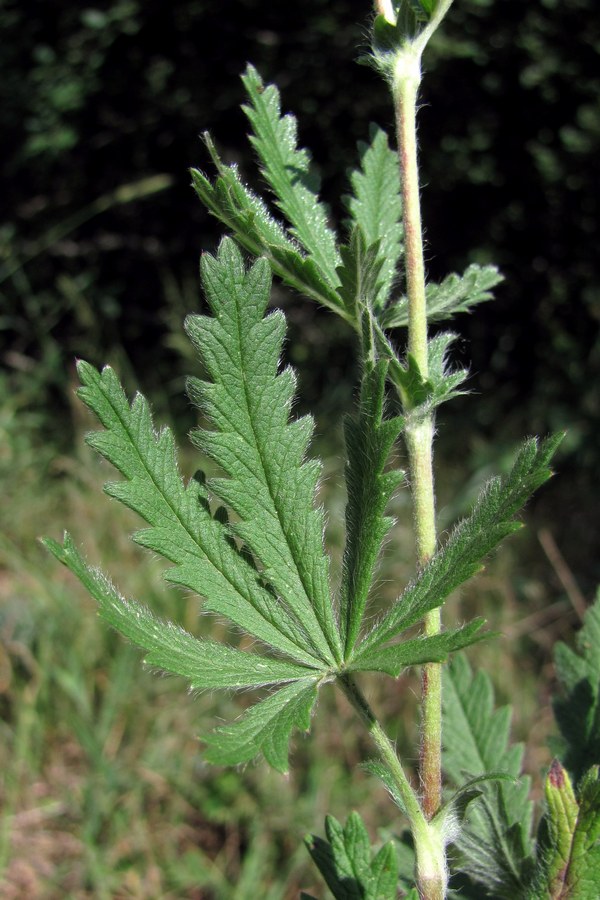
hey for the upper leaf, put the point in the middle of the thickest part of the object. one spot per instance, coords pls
(182, 528)
(492, 519)
(443, 383)
(404, 31)
(359, 274)
(288, 172)
(376, 206)
(577, 711)
(269, 486)
(495, 845)
(369, 439)
(456, 294)
(205, 663)
(249, 220)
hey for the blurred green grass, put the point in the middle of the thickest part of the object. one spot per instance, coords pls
(104, 791)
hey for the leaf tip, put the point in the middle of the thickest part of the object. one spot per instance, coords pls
(556, 775)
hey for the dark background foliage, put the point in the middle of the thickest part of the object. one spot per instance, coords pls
(97, 97)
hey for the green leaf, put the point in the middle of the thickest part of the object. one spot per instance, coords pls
(495, 846)
(446, 382)
(492, 519)
(380, 770)
(569, 850)
(577, 711)
(264, 728)
(369, 439)
(287, 170)
(376, 207)
(554, 854)
(388, 38)
(181, 526)
(269, 486)
(421, 8)
(249, 220)
(359, 273)
(415, 390)
(346, 863)
(584, 870)
(442, 384)
(205, 663)
(436, 648)
(451, 814)
(456, 294)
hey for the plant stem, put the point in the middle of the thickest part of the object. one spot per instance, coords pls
(419, 431)
(429, 844)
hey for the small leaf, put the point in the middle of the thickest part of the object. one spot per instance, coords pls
(359, 273)
(450, 816)
(379, 770)
(254, 228)
(389, 38)
(288, 172)
(446, 382)
(416, 391)
(456, 294)
(264, 728)
(376, 207)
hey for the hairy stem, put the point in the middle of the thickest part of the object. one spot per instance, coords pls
(386, 749)
(429, 846)
(419, 432)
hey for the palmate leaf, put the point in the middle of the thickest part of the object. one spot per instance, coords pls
(267, 572)
(269, 486)
(348, 865)
(492, 519)
(181, 526)
(206, 664)
(376, 207)
(495, 846)
(456, 294)
(289, 174)
(577, 709)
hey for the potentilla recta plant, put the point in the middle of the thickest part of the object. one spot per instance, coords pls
(250, 541)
